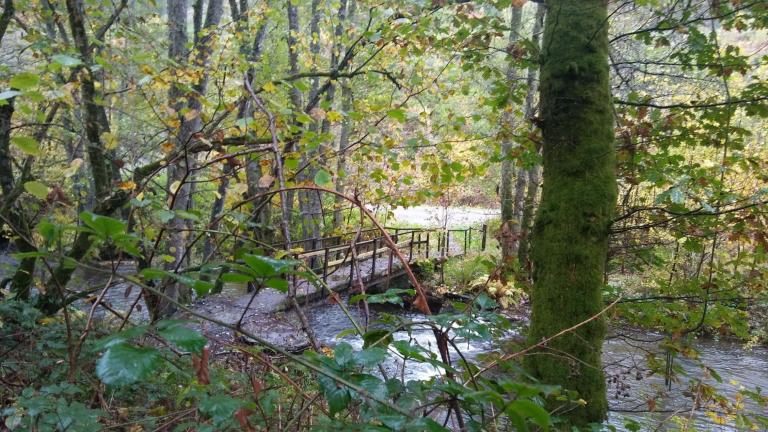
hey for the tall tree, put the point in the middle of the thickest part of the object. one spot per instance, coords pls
(188, 105)
(527, 184)
(508, 216)
(577, 204)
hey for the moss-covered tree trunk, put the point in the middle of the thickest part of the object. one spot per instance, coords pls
(570, 240)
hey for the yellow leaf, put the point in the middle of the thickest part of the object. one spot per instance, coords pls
(191, 115)
(334, 116)
(127, 185)
(167, 147)
(269, 87)
(73, 167)
(110, 140)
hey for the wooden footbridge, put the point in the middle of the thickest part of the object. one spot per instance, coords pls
(366, 252)
(357, 260)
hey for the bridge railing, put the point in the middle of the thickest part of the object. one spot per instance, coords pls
(374, 258)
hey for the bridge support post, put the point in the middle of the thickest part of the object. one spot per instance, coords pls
(373, 259)
(470, 240)
(410, 247)
(325, 266)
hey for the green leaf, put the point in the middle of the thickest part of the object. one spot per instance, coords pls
(24, 80)
(528, 409)
(153, 273)
(37, 189)
(485, 302)
(291, 163)
(120, 337)
(397, 114)
(278, 284)
(26, 144)
(66, 60)
(323, 178)
(220, 408)
(183, 214)
(265, 266)
(377, 338)
(165, 216)
(337, 396)
(304, 118)
(343, 354)
(175, 332)
(127, 243)
(124, 364)
(103, 226)
(370, 357)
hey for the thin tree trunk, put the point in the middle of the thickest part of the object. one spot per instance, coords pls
(94, 115)
(506, 189)
(529, 211)
(218, 206)
(180, 174)
(6, 165)
(341, 161)
(527, 184)
(309, 201)
(295, 94)
(50, 300)
(577, 204)
(5, 18)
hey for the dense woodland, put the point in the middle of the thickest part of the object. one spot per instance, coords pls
(158, 157)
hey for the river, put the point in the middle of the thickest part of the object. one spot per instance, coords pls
(629, 384)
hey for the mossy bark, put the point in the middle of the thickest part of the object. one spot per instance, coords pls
(570, 241)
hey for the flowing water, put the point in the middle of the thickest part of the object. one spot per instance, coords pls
(629, 384)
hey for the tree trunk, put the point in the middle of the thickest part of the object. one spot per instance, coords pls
(5, 18)
(506, 191)
(527, 184)
(310, 203)
(6, 165)
(529, 210)
(295, 94)
(570, 243)
(180, 174)
(94, 114)
(341, 161)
